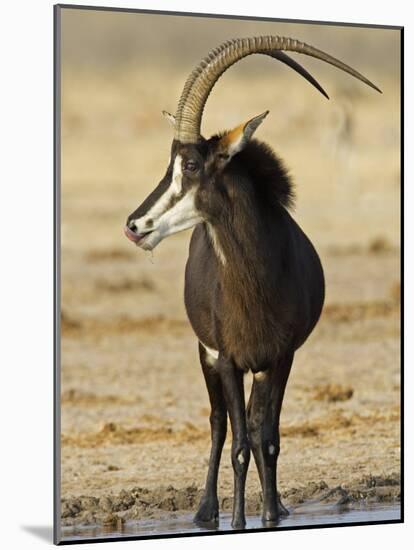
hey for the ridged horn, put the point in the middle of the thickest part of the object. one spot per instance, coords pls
(203, 78)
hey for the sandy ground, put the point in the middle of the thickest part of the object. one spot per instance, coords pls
(135, 430)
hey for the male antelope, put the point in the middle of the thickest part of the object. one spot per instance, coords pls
(254, 285)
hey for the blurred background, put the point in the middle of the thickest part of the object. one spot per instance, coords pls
(132, 390)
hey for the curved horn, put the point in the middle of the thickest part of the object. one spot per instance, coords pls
(281, 56)
(202, 79)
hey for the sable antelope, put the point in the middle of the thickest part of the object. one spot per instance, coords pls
(254, 284)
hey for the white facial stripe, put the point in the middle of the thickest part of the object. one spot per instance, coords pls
(157, 208)
(216, 245)
(177, 176)
(160, 206)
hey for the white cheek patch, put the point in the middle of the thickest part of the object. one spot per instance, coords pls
(174, 211)
(182, 215)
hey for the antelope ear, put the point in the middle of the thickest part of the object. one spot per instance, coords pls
(170, 118)
(235, 140)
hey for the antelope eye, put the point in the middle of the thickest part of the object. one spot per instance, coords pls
(190, 166)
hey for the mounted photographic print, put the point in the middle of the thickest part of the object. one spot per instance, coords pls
(228, 274)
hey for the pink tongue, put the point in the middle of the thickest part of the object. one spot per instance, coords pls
(131, 235)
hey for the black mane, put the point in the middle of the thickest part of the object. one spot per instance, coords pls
(268, 172)
(271, 179)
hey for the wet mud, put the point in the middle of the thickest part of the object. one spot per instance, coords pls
(170, 524)
(140, 503)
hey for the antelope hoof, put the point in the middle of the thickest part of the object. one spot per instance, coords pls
(272, 515)
(281, 509)
(270, 518)
(207, 512)
(238, 523)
